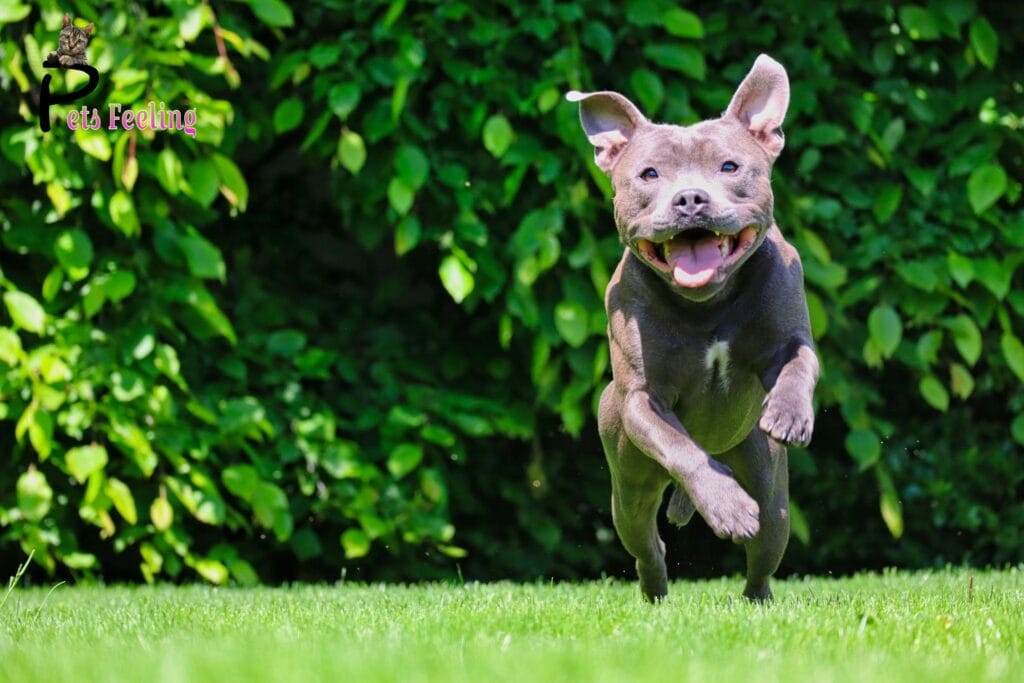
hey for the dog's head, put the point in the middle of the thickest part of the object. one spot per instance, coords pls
(692, 202)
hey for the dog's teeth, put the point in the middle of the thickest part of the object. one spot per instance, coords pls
(725, 246)
(664, 251)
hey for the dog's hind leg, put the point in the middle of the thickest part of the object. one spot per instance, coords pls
(638, 486)
(760, 465)
(635, 513)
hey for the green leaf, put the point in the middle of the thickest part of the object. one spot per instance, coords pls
(961, 268)
(400, 195)
(497, 135)
(324, 55)
(52, 283)
(83, 461)
(889, 502)
(121, 496)
(73, 249)
(966, 337)
(119, 285)
(11, 12)
(985, 186)
(686, 59)
(203, 183)
(10, 346)
(934, 393)
(34, 495)
(412, 166)
(41, 432)
(273, 12)
(404, 458)
(122, 213)
(885, 328)
(599, 38)
(648, 88)
(270, 505)
(798, 523)
(825, 134)
(919, 274)
(571, 321)
(994, 275)
(343, 98)
(865, 447)
(407, 235)
(286, 342)
(682, 23)
(887, 201)
(25, 311)
(241, 480)
(161, 513)
(94, 143)
(456, 278)
(960, 380)
(351, 151)
(984, 42)
(168, 170)
(232, 182)
(288, 115)
(356, 543)
(892, 135)
(203, 258)
(212, 570)
(1013, 351)
(1017, 429)
(919, 23)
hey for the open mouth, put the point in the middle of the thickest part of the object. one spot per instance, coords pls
(693, 257)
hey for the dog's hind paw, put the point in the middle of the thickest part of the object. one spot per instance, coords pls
(680, 507)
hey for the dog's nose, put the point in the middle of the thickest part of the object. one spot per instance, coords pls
(691, 202)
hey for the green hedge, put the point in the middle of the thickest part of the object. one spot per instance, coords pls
(356, 324)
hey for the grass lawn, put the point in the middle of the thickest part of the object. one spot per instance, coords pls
(895, 627)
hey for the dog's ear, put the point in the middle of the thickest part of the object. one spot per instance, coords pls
(88, 28)
(760, 103)
(67, 20)
(609, 120)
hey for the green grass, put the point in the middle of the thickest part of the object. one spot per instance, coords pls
(895, 627)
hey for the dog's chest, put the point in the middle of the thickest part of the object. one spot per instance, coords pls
(717, 393)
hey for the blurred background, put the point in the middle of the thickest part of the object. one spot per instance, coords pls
(354, 326)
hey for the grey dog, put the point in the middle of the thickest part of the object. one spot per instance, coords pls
(712, 358)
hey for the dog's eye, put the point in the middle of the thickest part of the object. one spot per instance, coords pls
(730, 167)
(649, 174)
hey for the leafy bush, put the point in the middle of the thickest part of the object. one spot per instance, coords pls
(357, 320)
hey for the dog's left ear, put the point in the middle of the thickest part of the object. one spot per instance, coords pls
(609, 120)
(89, 27)
(760, 103)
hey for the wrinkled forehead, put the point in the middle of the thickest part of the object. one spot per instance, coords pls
(708, 142)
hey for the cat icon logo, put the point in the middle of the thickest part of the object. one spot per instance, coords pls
(70, 54)
(70, 45)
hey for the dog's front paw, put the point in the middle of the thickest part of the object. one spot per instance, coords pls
(722, 502)
(787, 418)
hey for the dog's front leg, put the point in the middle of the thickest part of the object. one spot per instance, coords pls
(788, 414)
(655, 430)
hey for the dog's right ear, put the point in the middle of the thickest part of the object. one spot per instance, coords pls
(609, 120)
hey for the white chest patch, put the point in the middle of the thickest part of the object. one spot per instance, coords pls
(716, 360)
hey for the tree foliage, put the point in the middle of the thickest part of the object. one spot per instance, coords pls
(357, 319)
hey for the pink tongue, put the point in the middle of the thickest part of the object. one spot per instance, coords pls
(694, 263)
